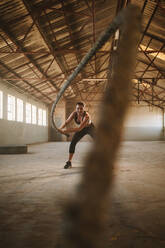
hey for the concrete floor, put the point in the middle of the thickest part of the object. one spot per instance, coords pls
(33, 185)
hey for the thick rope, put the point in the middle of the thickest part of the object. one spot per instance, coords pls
(111, 29)
(84, 215)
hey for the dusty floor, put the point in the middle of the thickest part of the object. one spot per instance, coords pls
(33, 185)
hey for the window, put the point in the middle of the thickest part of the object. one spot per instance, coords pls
(19, 110)
(28, 113)
(1, 104)
(34, 114)
(44, 118)
(40, 117)
(11, 108)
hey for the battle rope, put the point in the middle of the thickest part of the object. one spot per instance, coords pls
(116, 23)
(86, 212)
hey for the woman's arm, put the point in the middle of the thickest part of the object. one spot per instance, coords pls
(82, 125)
(70, 118)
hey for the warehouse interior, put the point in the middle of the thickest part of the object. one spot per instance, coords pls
(41, 44)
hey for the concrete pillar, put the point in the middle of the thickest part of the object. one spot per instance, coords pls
(60, 117)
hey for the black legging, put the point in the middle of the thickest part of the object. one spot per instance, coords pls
(78, 135)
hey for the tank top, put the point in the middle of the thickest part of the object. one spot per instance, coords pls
(76, 117)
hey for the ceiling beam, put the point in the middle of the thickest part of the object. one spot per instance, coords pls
(72, 41)
(149, 22)
(155, 37)
(49, 5)
(31, 9)
(151, 60)
(147, 93)
(59, 51)
(22, 90)
(59, 58)
(157, 68)
(26, 82)
(19, 46)
(150, 103)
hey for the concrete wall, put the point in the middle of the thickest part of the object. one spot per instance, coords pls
(144, 123)
(18, 133)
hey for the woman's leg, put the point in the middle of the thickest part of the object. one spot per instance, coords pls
(76, 138)
(70, 156)
(91, 130)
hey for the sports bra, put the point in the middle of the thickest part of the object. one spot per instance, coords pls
(76, 117)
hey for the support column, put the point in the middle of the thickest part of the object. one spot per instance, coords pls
(60, 116)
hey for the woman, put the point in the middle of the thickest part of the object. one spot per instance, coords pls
(82, 118)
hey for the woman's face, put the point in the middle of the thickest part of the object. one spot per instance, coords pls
(79, 109)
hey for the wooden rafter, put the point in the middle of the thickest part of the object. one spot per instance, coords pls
(26, 82)
(23, 50)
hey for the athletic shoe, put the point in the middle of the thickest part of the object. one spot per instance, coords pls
(68, 165)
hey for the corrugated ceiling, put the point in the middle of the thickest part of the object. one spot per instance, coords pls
(42, 42)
